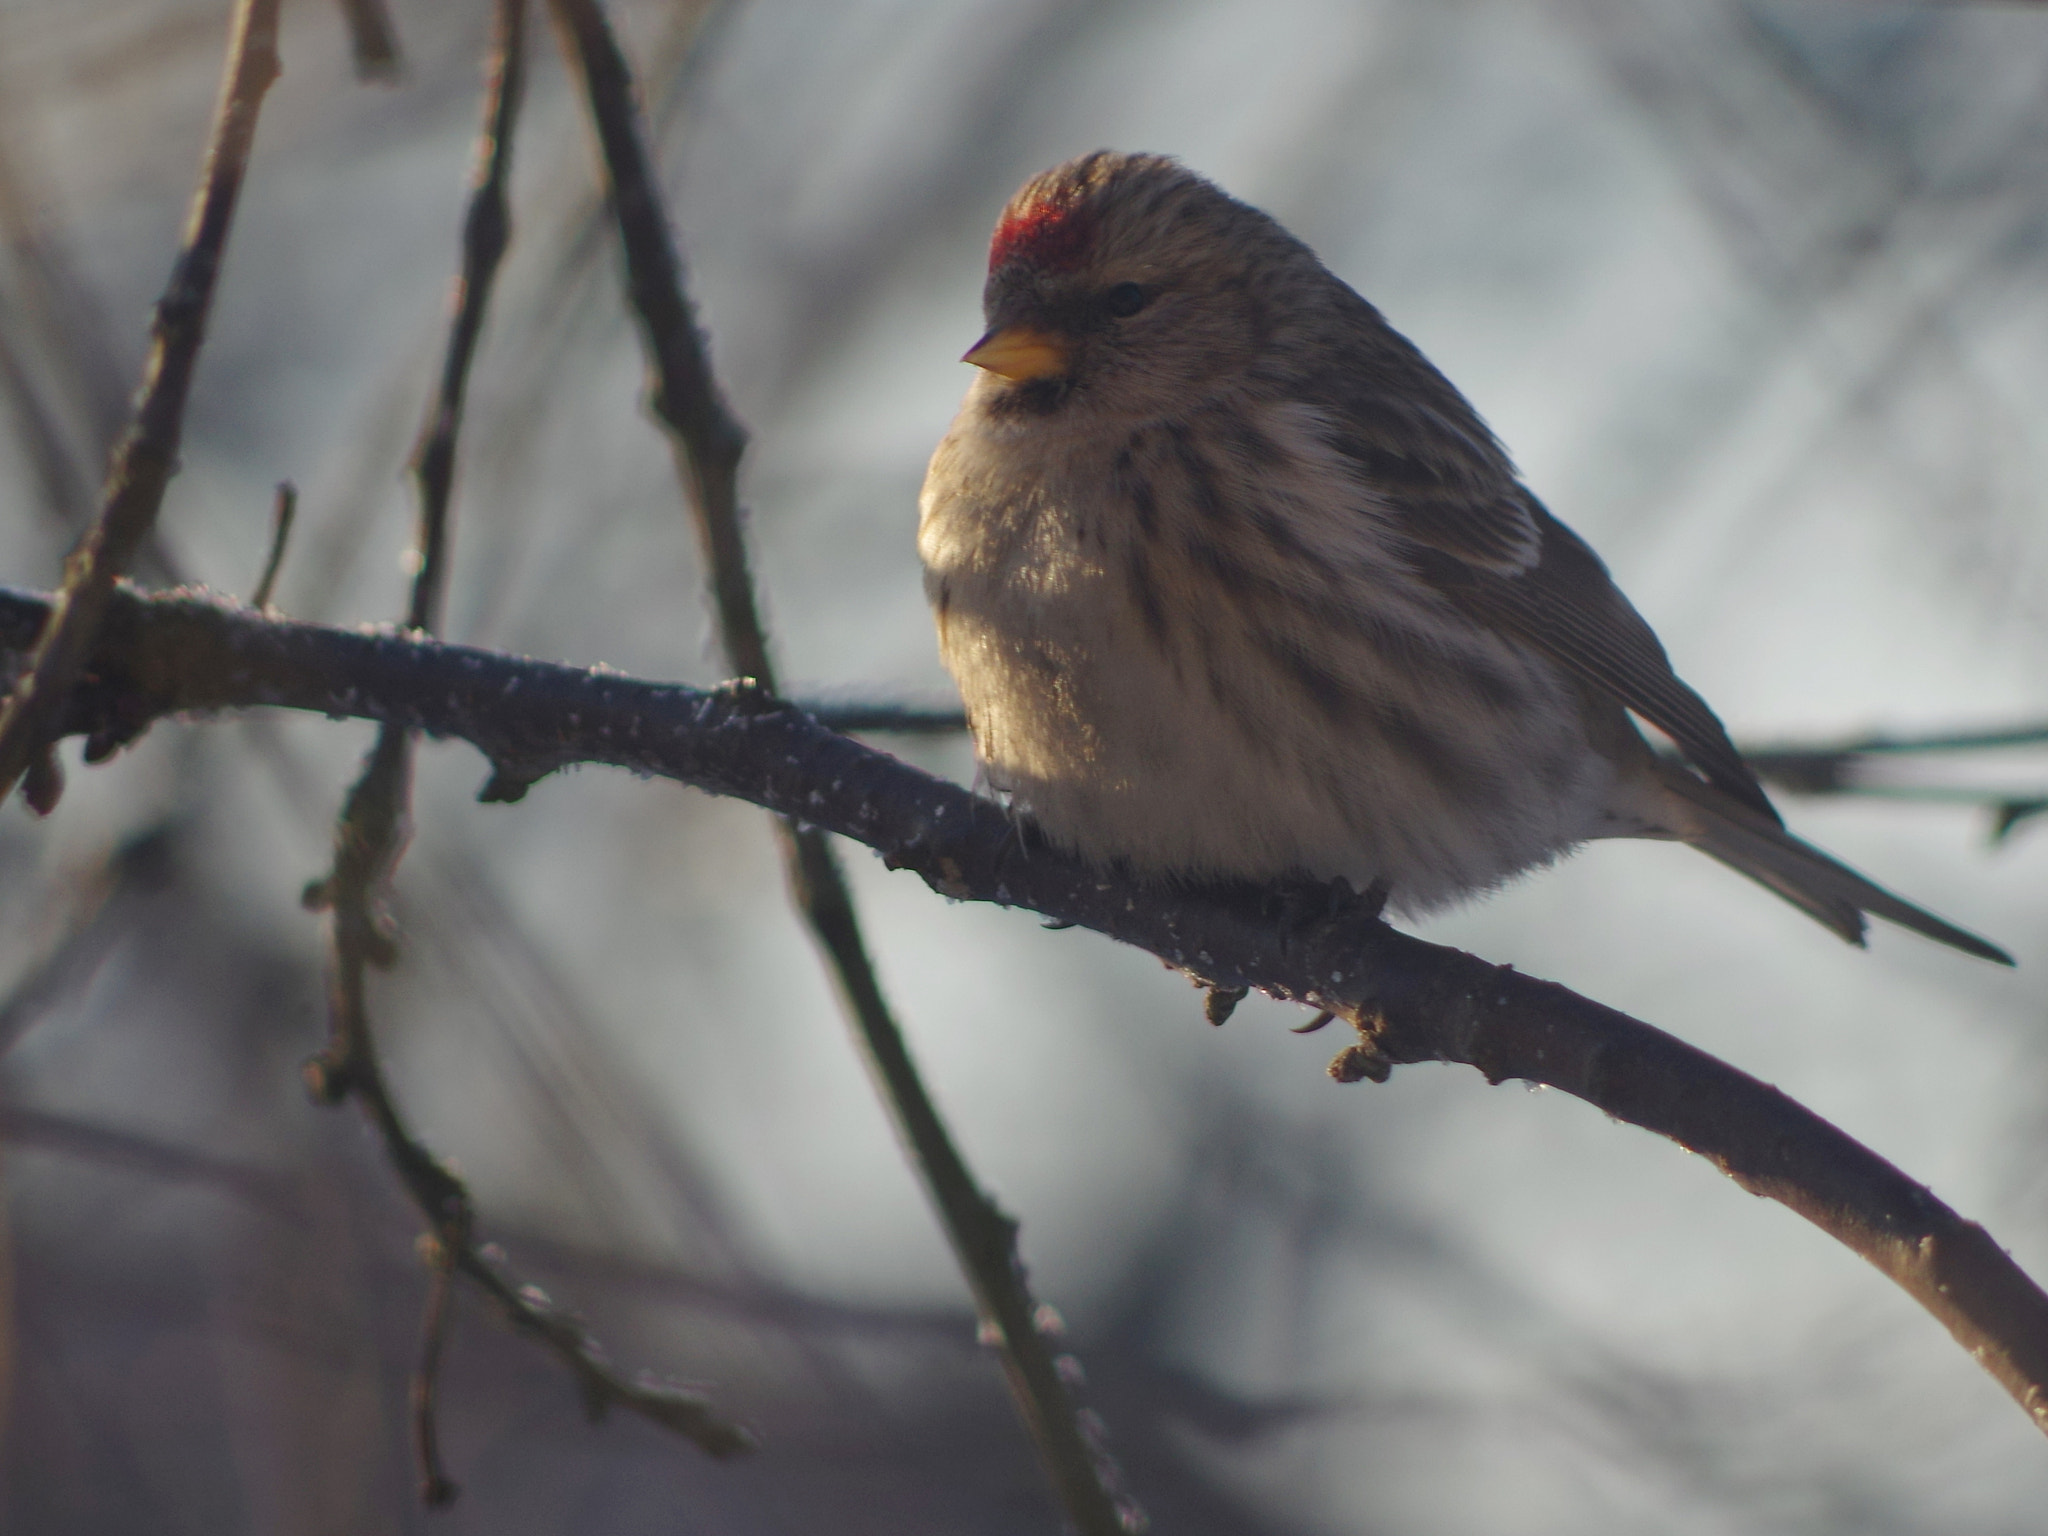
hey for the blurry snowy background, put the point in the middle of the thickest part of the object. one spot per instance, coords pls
(1758, 294)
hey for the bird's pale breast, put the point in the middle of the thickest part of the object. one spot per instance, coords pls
(1192, 646)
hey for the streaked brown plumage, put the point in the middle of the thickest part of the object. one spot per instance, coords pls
(1235, 584)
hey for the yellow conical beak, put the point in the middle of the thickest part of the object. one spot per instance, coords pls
(1016, 352)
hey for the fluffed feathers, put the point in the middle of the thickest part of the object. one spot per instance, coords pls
(1235, 583)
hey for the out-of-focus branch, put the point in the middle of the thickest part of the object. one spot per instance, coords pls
(94, 928)
(1847, 767)
(148, 454)
(679, 1409)
(370, 838)
(1853, 767)
(373, 40)
(113, 1146)
(1411, 1000)
(708, 443)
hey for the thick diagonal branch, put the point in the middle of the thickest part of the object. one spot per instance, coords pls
(1415, 1001)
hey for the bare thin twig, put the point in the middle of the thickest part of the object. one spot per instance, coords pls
(681, 1409)
(486, 231)
(708, 443)
(114, 1146)
(1847, 768)
(1839, 767)
(281, 520)
(148, 454)
(436, 1486)
(1885, 744)
(370, 838)
(706, 438)
(1833, 768)
(1412, 1000)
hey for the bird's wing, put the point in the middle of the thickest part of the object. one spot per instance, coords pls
(1490, 548)
(1434, 475)
(1566, 605)
(1442, 480)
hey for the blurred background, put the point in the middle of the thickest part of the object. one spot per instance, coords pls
(1757, 293)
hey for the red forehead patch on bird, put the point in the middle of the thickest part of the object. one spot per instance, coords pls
(1052, 235)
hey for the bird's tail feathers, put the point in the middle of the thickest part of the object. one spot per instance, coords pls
(1830, 893)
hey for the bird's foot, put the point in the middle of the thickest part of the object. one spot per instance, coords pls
(1221, 1002)
(1303, 906)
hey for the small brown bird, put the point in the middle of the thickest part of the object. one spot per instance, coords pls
(1236, 585)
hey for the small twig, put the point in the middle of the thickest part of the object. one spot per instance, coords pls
(281, 519)
(1789, 756)
(370, 839)
(148, 454)
(683, 1410)
(350, 1068)
(180, 654)
(486, 232)
(880, 717)
(1832, 769)
(110, 1146)
(373, 40)
(2007, 815)
(708, 442)
(1844, 768)
(370, 836)
(436, 1487)
(706, 438)
(90, 935)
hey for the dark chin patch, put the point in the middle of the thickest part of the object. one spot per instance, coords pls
(1032, 397)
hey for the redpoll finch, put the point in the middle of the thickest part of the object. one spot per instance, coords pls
(1237, 586)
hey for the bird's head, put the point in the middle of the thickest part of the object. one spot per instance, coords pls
(1128, 284)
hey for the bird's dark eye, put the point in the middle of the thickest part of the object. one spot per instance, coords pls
(1125, 300)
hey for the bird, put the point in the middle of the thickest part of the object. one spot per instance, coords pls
(1237, 587)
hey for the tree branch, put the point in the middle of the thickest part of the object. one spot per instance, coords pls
(148, 455)
(708, 442)
(284, 514)
(1845, 768)
(1411, 1000)
(370, 838)
(1840, 767)
(373, 40)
